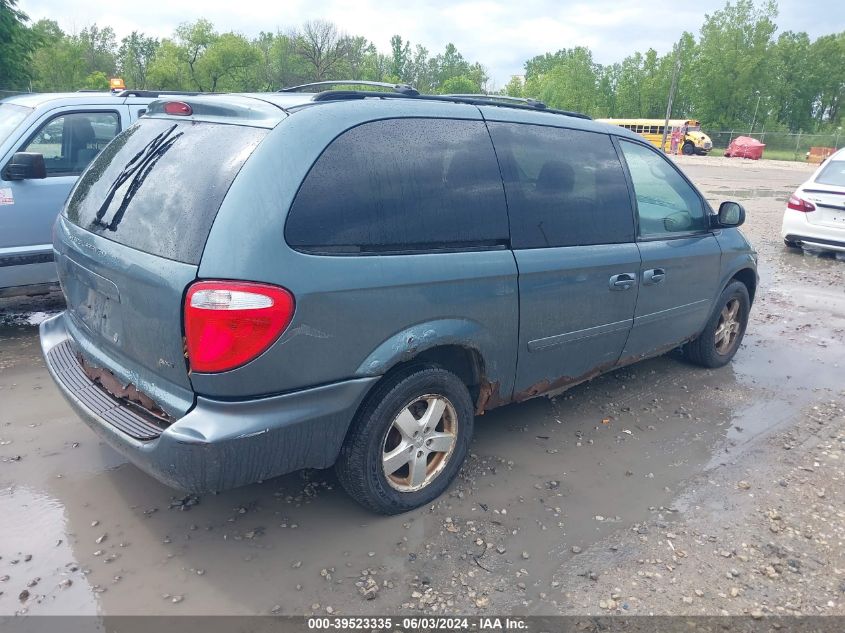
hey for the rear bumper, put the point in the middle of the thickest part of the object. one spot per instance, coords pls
(218, 444)
(796, 228)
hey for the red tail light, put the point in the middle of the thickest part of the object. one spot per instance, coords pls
(229, 323)
(798, 204)
(179, 108)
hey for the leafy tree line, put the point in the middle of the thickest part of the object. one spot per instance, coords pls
(44, 58)
(733, 73)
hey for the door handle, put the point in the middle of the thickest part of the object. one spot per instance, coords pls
(622, 281)
(653, 276)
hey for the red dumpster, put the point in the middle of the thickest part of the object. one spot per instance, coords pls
(745, 147)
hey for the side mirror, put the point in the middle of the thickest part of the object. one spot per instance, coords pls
(25, 166)
(731, 214)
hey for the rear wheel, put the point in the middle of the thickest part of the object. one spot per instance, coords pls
(408, 441)
(688, 149)
(718, 343)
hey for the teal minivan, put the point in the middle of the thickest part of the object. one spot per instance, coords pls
(257, 284)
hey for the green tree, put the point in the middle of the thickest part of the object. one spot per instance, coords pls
(361, 60)
(827, 61)
(321, 47)
(686, 92)
(168, 69)
(568, 80)
(98, 80)
(193, 40)
(58, 64)
(606, 90)
(733, 63)
(279, 64)
(99, 49)
(400, 53)
(17, 43)
(227, 64)
(134, 57)
(515, 87)
(629, 99)
(419, 70)
(460, 85)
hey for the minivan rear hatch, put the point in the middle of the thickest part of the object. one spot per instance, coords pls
(129, 242)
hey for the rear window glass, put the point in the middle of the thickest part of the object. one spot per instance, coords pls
(564, 187)
(402, 185)
(832, 174)
(157, 187)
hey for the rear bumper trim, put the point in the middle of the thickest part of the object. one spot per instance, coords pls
(66, 369)
(814, 240)
(217, 444)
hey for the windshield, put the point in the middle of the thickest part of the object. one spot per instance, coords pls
(694, 128)
(833, 174)
(11, 116)
(158, 185)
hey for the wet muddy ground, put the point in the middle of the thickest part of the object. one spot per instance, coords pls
(641, 491)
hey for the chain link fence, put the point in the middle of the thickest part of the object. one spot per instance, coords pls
(779, 145)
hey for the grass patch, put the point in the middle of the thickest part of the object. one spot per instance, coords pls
(771, 154)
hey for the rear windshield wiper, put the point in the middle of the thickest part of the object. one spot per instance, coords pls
(137, 169)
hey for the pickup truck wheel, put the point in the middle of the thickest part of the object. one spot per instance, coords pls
(408, 441)
(717, 344)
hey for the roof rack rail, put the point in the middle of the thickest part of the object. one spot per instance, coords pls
(484, 100)
(534, 103)
(403, 89)
(157, 93)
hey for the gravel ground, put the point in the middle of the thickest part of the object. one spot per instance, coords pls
(761, 532)
(659, 488)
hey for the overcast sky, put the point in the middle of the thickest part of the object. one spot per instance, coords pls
(499, 34)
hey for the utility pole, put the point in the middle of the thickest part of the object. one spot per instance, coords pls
(675, 72)
(754, 120)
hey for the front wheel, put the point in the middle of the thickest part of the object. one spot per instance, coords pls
(688, 149)
(718, 342)
(409, 440)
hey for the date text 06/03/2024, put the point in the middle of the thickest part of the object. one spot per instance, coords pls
(411, 624)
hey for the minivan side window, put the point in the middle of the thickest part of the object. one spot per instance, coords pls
(666, 203)
(564, 187)
(402, 185)
(69, 142)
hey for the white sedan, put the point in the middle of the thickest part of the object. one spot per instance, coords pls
(815, 213)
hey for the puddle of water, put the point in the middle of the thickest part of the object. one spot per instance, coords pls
(38, 558)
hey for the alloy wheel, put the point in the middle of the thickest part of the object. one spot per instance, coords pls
(419, 443)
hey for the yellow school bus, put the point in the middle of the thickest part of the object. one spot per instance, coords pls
(694, 142)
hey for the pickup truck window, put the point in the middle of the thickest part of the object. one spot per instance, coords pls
(69, 142)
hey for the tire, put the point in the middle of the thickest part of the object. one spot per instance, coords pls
(791, 244)
(688, 149)
(706, 350)
(375, 433)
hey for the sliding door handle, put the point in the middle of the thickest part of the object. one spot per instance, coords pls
(623, 281)
(653, 276)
